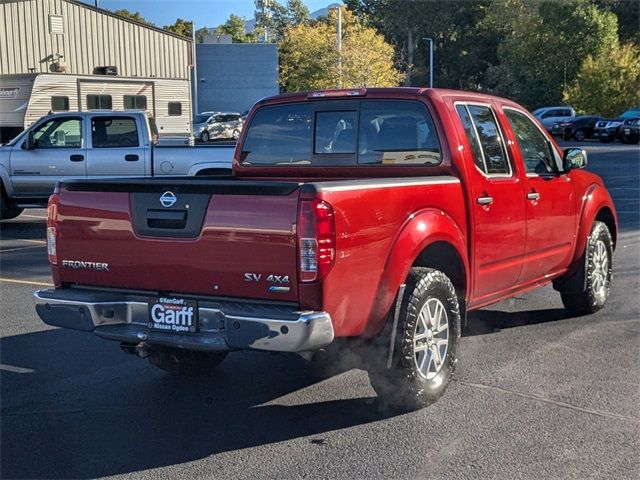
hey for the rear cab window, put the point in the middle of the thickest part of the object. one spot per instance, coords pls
(342, 133)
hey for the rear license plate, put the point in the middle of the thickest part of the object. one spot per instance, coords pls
(173, 314)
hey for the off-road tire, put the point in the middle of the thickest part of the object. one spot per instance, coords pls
(404, 386)
(7, 211)
(595, 296)
(185, 362)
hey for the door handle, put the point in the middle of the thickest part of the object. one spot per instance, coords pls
(131, 158)
(484, 200)
(76, 158)
(533, 196)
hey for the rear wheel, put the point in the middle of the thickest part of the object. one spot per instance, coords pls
(579, 135)
(236, 134)
(204, 136)
(185, 362)
(426, 343)
(598, 253)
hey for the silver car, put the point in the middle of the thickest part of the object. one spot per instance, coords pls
(550, 115)
(218, 125)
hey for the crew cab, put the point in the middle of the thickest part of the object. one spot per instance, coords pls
(94, 145)
(381, 216)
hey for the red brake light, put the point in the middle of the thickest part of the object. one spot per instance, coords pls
(316, 240)
(353, 92)
(52, 229)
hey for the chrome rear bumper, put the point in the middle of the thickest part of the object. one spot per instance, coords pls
(224, 325)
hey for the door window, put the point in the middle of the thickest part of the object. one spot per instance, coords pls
(113, 132)
(485, 139)
(59, 133)
(99, 102)
(535, 148)
(134, 102)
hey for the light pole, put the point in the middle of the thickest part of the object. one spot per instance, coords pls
(430, 60)
(339, 9)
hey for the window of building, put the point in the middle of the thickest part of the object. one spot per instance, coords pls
(485, 139)
(113, 132)
(134, 102)
(60, 104)
(537, 153)
(99, 102)
(175, 109)
(59, 133)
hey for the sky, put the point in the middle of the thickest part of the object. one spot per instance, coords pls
(206, 13)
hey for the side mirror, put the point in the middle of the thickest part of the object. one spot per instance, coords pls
(29, 143)
(574, 158)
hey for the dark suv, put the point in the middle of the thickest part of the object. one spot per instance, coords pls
(630, 130)
(577, 128)
(608, 130)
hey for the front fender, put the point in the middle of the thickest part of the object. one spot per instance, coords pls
(5, 176)
(419, 231)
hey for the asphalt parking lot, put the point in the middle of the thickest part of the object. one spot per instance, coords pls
(538, 394)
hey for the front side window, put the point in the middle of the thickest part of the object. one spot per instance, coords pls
(99, 102)
(113, 132)
(367, 132)
(175, 109)
(60, 104)
(485, 139)
(134, 102)
(59, 133)
(537, 153)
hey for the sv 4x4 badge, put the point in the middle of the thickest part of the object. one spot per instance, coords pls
(279, 283)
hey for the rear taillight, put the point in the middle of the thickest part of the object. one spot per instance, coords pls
(316, 240)
(52, 229)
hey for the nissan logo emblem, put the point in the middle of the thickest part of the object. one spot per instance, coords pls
(167, 199)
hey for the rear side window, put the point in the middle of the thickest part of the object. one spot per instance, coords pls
(372, 132)
(113, 132)
(485, 139)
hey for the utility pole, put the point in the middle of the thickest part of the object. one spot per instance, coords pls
(194, 69)
(339, 9)
(265, 16)
(430, 60)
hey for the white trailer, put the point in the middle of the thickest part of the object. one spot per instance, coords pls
(24, 98)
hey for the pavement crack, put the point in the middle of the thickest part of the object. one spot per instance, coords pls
(557, 403)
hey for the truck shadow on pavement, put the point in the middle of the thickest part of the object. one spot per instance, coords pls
(74, 406)
(484, 322)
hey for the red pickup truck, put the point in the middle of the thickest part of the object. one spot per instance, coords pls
(383, 215)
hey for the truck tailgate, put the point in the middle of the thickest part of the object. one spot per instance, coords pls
(224, 238)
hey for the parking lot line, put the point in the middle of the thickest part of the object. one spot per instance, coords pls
(26, 282)
(20, 248)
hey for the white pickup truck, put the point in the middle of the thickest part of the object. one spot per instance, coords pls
(94, 145)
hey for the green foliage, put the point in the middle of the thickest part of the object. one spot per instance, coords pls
(181, 27)
(607, 83)
(236, 27)
(123, 12)
(309, 58)
(273, 18)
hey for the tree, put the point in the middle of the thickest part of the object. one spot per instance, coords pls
(236, 27)
(181, 27)
(132, 15)
(309, 57)
(273, 18)
(607, 83)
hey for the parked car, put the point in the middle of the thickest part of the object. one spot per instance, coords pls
(219, 125)
(550, 115)
(576, 128)
(93, 145)
(382, 216)
(608, 130)
(630, 131)
(201, 125)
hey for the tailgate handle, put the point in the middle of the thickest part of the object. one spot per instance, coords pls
(131, 158)
(175, 219)
(76, 158)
